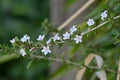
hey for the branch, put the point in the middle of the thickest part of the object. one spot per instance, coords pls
(7, 57)
(100, 25)
(56, 59)
(73, 63)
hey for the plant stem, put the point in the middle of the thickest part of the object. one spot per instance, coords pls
(100, 25)
(57, 60)
(7, 57)
(73, 63)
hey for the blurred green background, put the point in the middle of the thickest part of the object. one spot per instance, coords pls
(19, 17)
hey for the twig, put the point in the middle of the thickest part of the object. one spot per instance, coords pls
(118, 75)
(12, 56)
(73, 63)
(56, 59)
(77, 13)
(100, 25)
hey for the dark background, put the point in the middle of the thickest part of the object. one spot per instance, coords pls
(19, 17)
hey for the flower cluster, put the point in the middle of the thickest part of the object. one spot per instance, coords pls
(56, 38)
(70, 35)
(60, 39)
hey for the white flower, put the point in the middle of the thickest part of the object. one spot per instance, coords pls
(90, 22)
(66, 36)
(73, 29)
(104, 15)
(46, 50)
(25, 38)
(56, 37)
(40, 37)
(12, 41)
(78, 39)
(22, 52)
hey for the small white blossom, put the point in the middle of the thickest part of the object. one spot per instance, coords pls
(12, 41)
(90, 22)
(104, 15)
(56, 37)
(46, 50)
(22, 52)
(73, 29)
(78, 39)
(25, 38)
(40, 37)
(66, 36)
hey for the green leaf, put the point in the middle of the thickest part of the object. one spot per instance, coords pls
(73, 50)
(115, 32)
(112, 15)
(111, 21)
(29, 64)
(69, 3)
(109, 25)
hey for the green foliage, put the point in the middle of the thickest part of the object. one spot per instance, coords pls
(16, 19)
(104, 41)
(70, 3)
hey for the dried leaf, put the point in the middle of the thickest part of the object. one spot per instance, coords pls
(101, 75)
(99, 61)
(118, 75)
(88, 59)
(81, 72)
